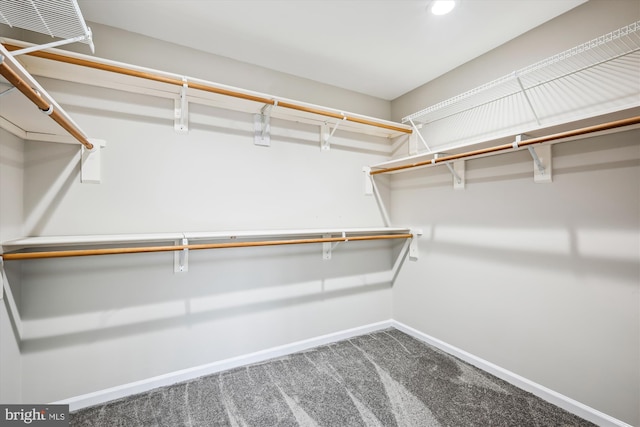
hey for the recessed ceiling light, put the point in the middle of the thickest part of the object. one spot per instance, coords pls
(442, 7)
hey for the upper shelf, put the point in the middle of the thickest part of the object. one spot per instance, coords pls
(594, 78)
(56, 18)
(78, 68)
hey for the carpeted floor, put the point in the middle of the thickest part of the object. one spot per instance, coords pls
(385, 378)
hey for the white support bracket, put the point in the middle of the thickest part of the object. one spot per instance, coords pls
(181, 258)
(416, 131)
(91, 164)
(326, 134)
(413, 246)
(526, 97)
(262, 125)
(87, 37)
(457, 170)
(368, 181)
(326, 248)
(541, 155)
(181, 110)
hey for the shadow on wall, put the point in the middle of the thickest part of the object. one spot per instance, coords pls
(81, 300)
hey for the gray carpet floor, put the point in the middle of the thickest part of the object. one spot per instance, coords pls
(386, 378)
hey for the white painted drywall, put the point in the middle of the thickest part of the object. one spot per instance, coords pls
(541, 279)
(11, 191)
(93, 323)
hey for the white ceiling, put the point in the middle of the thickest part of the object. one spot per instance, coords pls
(383, 48)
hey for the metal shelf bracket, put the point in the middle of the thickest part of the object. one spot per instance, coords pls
(91, 162)
(457, 170)
(262, 125)
(368, 181)
(541, 155)
(413, 246)
(181, 258)
(416, 131)
(181, 110)
(326, 134)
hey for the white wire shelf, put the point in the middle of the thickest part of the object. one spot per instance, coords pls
(593, 78)
(55, 18)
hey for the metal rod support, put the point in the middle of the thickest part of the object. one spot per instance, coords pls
(536, 159)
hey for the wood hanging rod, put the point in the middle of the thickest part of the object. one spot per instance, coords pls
(178, 81)
(505, 147)
(44, 105)
(115, 251)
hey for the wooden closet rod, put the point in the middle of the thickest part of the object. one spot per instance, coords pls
(205, 87)
(48, 108)
(505, 147)
(114, 251)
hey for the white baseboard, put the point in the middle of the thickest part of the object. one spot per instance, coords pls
(564, 402)
(560, 400)
(118, 392)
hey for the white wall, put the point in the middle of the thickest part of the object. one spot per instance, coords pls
(11, 191)
(93, 323)
(542, 280)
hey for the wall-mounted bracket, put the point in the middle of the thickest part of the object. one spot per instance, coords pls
(262, 125)
(91, 164)
(526, 97)
(413, 246)
(457, 170)
(181, 258)
(83, 38)
(416, 131)
(326, 248)
(181, 110)
(326, 133)
(368, 181)
(541, 155)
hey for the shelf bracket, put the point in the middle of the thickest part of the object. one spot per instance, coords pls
(181, 110)
(457, 170)
(5, 291)
(526, 97)
(413, 246)
(368, 181)
(181, 258)
(326, 248)
(86, 37)
(326, 134)
(541, 155)
(262, 125)
(416, 131)
(541, 163)
(91, 163)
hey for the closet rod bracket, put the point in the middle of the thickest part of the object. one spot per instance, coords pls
(181, 258)
(262, 125)
(181, 109)
(413, 246)
(541, 155)
(326, 133)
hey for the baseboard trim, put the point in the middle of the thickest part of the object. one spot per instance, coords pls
(588, 413)
(118, 392)
(560, 400)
